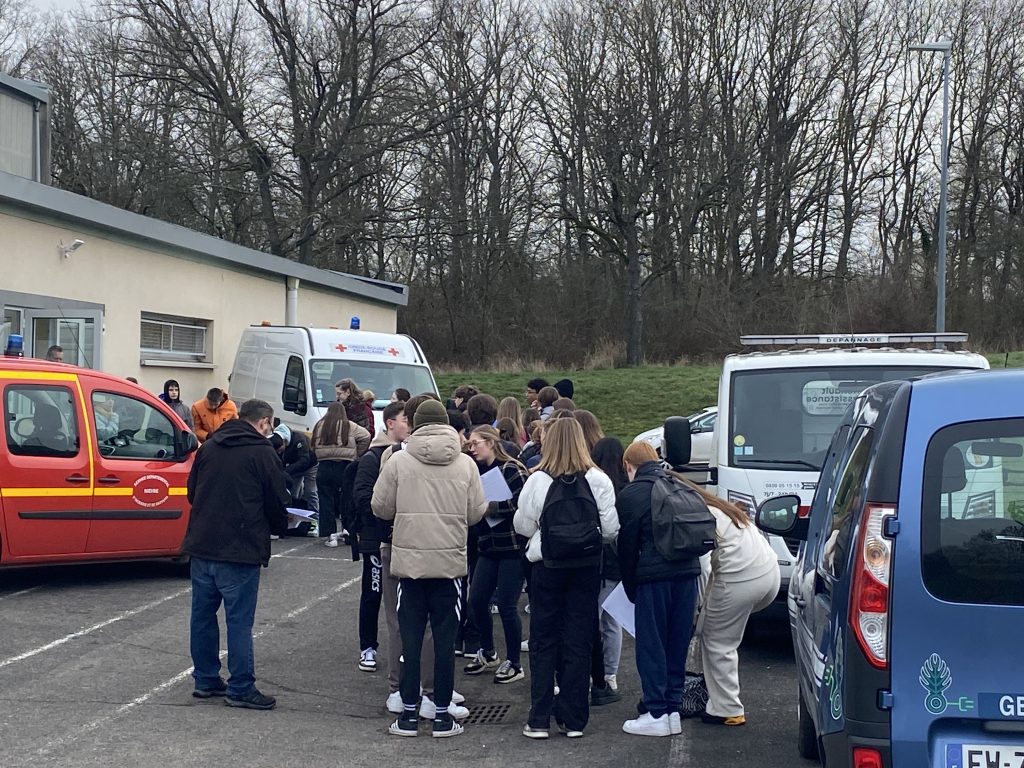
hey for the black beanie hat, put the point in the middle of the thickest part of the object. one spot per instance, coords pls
(565, 388)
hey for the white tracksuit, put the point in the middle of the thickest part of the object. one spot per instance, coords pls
(744, 579)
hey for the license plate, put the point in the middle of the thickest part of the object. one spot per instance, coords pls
(984, 756)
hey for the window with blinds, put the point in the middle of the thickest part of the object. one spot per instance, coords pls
(177, 338)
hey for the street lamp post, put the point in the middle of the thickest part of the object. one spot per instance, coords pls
(944, 47)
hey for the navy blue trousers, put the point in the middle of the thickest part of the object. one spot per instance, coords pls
(664, 626)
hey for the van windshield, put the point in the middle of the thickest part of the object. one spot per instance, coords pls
(382, 378)
(784, 418)
(972, 513)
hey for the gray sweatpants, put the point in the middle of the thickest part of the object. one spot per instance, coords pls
(721, 624)
(390, 600)
(611, 632)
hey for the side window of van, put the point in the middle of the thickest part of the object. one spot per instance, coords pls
(972, 513)
(41, 421)
(821, 510)
(847, 500)
(294, 394)
(127, 428)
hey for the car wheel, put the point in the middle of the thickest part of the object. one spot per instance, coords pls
(806, 738)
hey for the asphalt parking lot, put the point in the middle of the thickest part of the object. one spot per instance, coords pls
(94, 668)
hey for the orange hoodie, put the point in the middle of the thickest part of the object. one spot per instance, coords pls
(208, 419)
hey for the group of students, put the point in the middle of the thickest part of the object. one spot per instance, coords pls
(413, 503)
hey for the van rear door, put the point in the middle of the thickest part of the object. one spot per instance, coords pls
(957, 601)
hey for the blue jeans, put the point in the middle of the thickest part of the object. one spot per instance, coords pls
(505, 575)
(237, 585)
(664, 625)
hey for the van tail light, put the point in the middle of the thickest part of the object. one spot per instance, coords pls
(869, 607)
(867, 757)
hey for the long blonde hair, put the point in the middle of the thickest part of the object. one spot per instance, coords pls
(509, 408)
(490, 434)
(565, 450)
(592, 431)
(642, 453)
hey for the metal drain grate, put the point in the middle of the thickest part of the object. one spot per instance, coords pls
(487, 714)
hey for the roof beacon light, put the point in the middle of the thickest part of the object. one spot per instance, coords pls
(354, 325)
(15, 346)
(858, 339)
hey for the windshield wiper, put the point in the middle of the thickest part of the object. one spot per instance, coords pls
(792, 462)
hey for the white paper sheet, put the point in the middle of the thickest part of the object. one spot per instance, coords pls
(304, 514)
(495, 487)
(617, 606)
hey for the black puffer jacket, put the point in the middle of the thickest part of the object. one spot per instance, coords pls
(298, 457)
(371, 529)
(638, 557)
(238, 497)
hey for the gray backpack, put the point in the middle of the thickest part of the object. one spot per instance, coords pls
(683, 526)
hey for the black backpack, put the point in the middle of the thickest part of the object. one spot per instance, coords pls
(570, 525)
(683, 526)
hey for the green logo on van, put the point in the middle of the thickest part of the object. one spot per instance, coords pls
(936, 678)
(833, 678)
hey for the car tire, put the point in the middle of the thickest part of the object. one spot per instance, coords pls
(806, 738)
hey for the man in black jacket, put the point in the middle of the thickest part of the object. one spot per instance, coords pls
(664, 593)
(296, 455)
(238, 497)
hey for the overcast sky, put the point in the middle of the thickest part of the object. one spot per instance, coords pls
(60, 5)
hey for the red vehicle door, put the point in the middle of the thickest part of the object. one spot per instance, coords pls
(139, 505)
(46, 466)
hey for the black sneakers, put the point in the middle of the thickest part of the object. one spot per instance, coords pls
(220, 689)
(252, 700)
(445, 726)
(407, 724)
(482, 661)
(601, 696)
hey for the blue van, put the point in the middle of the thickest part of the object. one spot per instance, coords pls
(907, 601)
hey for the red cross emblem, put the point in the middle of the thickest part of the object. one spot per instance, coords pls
(341, 348)
(393, 352)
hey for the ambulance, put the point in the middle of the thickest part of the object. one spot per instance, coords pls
(295, 368)
(92, 467)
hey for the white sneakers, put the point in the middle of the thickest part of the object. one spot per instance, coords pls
(368, 660)
(675, 723)
(394, 703)
(332, 540)
(396, 707)
(428, 710)
(646, 725)
(524, 647)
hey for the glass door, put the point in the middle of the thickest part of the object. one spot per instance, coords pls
(78, 334)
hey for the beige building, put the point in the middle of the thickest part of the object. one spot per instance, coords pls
(138, 297)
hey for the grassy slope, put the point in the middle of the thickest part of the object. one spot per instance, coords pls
(629, 400)
(625, 400)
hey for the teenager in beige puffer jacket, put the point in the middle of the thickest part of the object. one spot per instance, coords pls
(432, 491)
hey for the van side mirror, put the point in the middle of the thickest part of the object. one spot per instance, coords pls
(780, 516)
(187, 443)
(675, 444)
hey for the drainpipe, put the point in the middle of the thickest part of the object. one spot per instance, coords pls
(37, 144)
(291, 306)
